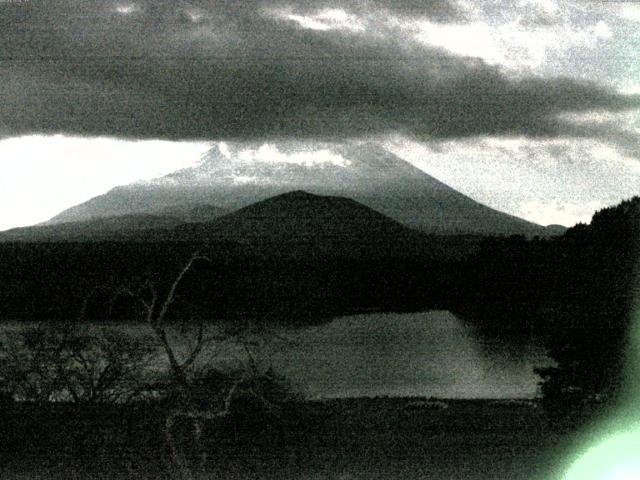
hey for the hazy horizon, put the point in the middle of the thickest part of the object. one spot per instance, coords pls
(55, 186)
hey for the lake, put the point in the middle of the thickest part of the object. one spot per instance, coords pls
(392, 354)
(409, 354)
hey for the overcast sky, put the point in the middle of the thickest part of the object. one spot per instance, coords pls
(530, 106)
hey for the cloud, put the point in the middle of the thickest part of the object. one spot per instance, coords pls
(329, 19)
(602, 31)
(271, 69)
(629, 11)
(619, 129)
(127, 8)
(521, 39)
(270, 153)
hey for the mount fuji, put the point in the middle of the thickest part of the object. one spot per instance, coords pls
(228, 178)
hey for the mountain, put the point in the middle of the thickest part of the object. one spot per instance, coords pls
(295, 257)
(299, 223)
(120, 227)
(367, 173)
(301, 216)
(131, 226)
(555, 230)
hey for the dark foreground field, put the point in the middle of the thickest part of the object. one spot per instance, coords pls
(338, 439)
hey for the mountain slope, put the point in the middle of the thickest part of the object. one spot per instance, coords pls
(367, 173)
(299, 215)
(130, 226)
(302, 224)
(121, 227)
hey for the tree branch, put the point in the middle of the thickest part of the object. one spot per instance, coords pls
(172, 290)
(197, 349)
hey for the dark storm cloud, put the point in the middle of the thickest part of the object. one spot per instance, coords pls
(231, 69)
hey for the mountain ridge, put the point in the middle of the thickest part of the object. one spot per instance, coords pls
(366, 173)
(296, 214)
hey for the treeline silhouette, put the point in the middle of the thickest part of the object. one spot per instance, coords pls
(55, 281)
(575, 289)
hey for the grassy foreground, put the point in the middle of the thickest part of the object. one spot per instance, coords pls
(382, 438)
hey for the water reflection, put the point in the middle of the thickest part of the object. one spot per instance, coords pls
(416, 354)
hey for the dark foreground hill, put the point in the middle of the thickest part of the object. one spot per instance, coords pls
(301, 216)
(302, 224)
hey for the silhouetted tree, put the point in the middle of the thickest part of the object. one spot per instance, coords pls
(200, 397)
(589, 329)
(73, 362)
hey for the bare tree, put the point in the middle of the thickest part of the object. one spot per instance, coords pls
(193, 334)
(84, 362)
(27, 369)
(72, 362)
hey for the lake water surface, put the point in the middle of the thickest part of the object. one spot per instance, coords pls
(411, 354)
